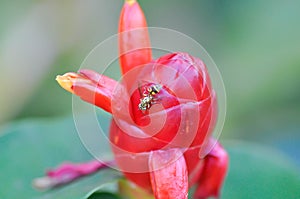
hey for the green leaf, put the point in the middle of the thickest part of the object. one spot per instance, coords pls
(106, 190)
(103, 195)
(259, 172)
(30, 147)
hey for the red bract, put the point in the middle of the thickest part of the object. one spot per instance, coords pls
(213, 173)
(183, 118)
(134, 45)
(163, 111)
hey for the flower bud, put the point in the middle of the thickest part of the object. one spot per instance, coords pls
(213, 173)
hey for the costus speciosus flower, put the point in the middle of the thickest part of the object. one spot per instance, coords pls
(164, 112)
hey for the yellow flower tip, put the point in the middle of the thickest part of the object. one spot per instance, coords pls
(130, 2)
(66, 81)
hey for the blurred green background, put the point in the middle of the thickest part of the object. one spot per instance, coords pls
(255, 44)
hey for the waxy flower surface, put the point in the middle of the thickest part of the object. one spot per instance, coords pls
(164, 112)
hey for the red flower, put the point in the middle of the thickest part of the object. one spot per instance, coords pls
(163, 113)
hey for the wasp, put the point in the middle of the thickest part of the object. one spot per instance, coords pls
(148, 97)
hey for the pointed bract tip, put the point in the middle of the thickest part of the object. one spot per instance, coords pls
(66, 81)
(130, 2)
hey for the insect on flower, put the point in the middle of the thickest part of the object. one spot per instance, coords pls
(149, 96)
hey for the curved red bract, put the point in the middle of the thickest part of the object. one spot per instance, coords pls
(178, 112)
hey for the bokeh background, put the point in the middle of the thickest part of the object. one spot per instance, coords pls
(255, 44)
